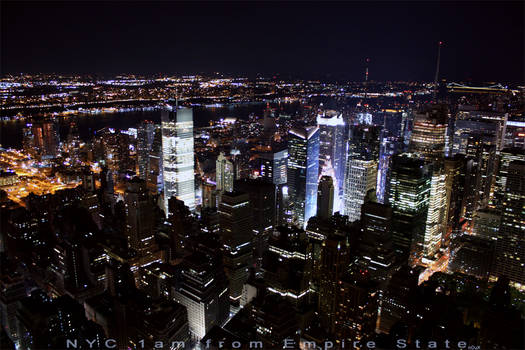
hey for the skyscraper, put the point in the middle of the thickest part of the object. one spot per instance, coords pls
(409, 194)
(428, 133)
(45, 138)
(332, 150)
(325, 197)
(287, 264)
(141, 222)
(454, 185)
(507, 156)
(435, 224)
(272, 166)
(177, 156)
(363, 142)
(262, 197)
(510, 244)
(155, 160)
(361, 177)
(428, 142)
(225, 174)
(333, 264)
(303, 172)
(375, 250)
(204, 291)
(145, 134)
(235, 220)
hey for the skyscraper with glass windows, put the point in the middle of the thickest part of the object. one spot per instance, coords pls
(177, 156)
(145, 134)
(361, 177)
(332, 151)
(224, 173)
(303, 172)
(409, 195)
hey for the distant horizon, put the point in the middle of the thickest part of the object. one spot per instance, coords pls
(330, 77)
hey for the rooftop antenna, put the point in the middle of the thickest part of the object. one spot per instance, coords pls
(366, 78)
(366, 71)
(437, 69)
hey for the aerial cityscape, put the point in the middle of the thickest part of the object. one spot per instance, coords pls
(248, 191)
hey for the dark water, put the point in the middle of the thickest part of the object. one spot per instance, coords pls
(11, 132)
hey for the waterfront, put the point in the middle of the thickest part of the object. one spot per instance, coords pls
(11, 132)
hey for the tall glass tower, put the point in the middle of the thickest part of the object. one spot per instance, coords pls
(332, 151)
(303, 172)
(409, 197)
(361, 177)
(177, 156)
(428, 142)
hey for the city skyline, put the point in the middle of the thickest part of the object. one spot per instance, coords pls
(322, 207)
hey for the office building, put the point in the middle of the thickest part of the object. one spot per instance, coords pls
(145, 135)
(287, 265)
(375, 250)
(177, 156)
(272, 166)
(332, 150)
(325, 197)
(361, 177)
(140, 217)
(203, 290)
(303, 172)
(507, 156)
(429, 132)
(409, 195)
(224, 174)
(236, 225)
(262, 196)
(363, 142)
(510, 244)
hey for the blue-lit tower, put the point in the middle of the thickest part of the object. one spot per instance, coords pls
(303, 172)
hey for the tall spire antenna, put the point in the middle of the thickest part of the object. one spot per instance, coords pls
(366, 71)
(366, 78)
(437, 68)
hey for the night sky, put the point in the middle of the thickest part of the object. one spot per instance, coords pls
(484, 41)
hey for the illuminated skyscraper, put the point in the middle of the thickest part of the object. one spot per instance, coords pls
(409, 194)
(177, 156)
(224, 174)
(145, 134)
(435, 225)
(510, 244)
(361, 177)
(332, 151)
(428, 133)
(507, 156)
(45, 138)
(303, 172)
(155, 160)
(428, 141)
(272, 166)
